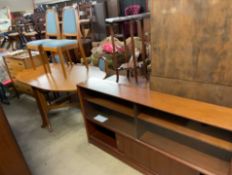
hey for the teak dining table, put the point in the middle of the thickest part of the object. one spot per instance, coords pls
(41, 82)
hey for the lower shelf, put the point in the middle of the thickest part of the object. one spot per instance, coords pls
(193, 158)
(103, 135)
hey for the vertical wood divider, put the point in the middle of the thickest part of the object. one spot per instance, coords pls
(136, 113)
(81, 98)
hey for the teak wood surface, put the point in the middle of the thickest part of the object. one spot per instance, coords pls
(56, 82)
(206, 113)
(11, 158)
(145, 147)
(191, 49)
(41, 82)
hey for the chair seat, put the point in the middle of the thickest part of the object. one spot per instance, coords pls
(59, 43)
(30, 33)
(13, 34)
(38, 42)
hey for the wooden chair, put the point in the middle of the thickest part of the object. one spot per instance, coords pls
(71, 28)
(52, 31)
(30, 33)
(86, 17)
(14, 40)
(131, 65)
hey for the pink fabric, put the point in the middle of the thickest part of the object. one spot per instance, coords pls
(6, 82)
(108, 48)
(133, 10)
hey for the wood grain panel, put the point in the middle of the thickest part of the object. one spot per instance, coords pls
(192, 42)
(211, 93)
(11, 158)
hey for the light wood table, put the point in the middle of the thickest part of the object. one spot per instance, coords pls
(56, 82)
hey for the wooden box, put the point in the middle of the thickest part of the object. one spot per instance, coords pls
(17, 62)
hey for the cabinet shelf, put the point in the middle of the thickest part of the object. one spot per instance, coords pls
(184, 130)
(193, 158)
(116, 123)
(111, 105)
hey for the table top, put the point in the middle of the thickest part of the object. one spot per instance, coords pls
(56, 81)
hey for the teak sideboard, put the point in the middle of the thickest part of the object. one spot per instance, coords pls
(157, 133)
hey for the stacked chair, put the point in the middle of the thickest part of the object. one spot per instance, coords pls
(52, 31)
(61, 44)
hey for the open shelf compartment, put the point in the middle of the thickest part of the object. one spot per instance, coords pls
(110, 102)
(115, 121)
(199, 146)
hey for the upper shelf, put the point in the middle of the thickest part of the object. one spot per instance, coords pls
(202, 112)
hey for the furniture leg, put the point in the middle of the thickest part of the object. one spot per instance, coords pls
(69, 56)
(128, 73)
(117, 75)
(141, 26)
(31, 58)
(62, 62)
(53, 57)
(3, 42)
(82, 51)
(46, 60)
(133, 50)
(114, 50)
(43, 59)
(43, 108)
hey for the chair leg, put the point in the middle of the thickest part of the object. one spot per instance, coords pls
(128, 73)
(47, 62)
(43, 57)
(60, 53)
(83, 54)
(53, 57)
(117, 75)
(69, 56)
(31, 58)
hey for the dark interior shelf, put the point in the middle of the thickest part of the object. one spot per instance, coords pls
(182, 128)
(103, 135)
(193, 158)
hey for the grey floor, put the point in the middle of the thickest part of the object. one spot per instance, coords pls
(65, 151)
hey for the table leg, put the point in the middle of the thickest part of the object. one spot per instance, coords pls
(43, 108)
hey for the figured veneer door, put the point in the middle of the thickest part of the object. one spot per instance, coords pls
(11, 158)
(151, 159)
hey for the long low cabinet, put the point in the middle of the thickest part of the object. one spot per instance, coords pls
(157, 133)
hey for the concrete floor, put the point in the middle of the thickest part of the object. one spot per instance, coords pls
(65, 151)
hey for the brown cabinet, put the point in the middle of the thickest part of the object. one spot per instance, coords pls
(157, 133)
(11, 158)
(17, 62)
